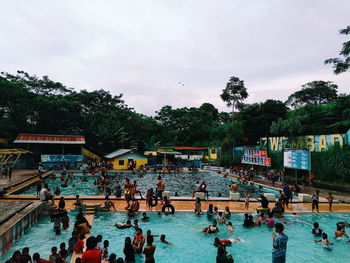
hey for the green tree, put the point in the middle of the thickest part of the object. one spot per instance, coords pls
(341, 64)
(234, 93)
(315, 92)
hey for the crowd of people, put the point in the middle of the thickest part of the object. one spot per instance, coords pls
(141, 244)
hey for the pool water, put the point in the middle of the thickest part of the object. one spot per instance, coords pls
(182, 183)
(190, 245)
(41, 238)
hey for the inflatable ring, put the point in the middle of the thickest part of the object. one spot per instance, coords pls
(153, 201)
(168, 206)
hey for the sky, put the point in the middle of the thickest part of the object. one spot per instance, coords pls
(178, 53)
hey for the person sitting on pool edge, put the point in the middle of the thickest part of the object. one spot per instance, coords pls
(197, 209)
(135, 206)
(203, 189)
(78, 201)
(109, 204)
(197, 188)
(212, 229)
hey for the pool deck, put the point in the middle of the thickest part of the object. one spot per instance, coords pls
(188, 206)
(26, 177)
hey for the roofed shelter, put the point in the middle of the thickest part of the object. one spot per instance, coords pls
(126, 159)
(51, 148)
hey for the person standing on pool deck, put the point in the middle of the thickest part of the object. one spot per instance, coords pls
(161, 187)
(279, 244)
(330, 199)
(315, 199)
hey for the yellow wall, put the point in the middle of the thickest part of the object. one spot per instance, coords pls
(213, 156)
(139, 162)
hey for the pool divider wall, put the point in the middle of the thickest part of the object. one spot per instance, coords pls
(16, 226)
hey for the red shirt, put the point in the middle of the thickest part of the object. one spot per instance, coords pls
(91, 256)
(79, 246)
(43, 261)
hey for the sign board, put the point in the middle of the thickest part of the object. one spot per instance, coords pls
(256, 157)
(61, 158)
(297, 159)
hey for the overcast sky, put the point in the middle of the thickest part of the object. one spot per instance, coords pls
(143, 49)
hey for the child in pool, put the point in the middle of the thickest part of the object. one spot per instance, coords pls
(162, 239)
(225, 242)
(213, 228)
(270, 222)
(325, 242)
(340, 232)
(230, 227)
(145, 218)
(221, 218)
(227, 212)
(121, 225)
(317, 231)
(104, 250)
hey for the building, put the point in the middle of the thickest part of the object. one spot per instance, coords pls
(182, 154)
(126, 159)
(51, 149)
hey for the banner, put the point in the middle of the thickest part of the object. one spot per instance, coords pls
(297, 159)
(61, 158)
(256, 157)
(313, 143)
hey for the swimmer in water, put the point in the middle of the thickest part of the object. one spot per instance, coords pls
(162, 239)
(212, 229)
(121, 225)
(227, 212)
(145, 218)
(325, 242)
(317, 231)
(225, 242)
(340, 232)
(221, 218)
(230, 227)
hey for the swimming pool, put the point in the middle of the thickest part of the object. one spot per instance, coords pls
(41, 238)
(182, 183)
(190, 245)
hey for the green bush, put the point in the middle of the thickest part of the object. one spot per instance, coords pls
(332, 165)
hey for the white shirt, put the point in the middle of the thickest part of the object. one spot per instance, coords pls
(43, 194)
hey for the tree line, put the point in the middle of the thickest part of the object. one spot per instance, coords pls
(30, 104)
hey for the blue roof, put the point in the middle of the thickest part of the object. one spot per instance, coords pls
(117, 153)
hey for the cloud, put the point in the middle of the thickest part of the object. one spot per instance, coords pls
(143, 49)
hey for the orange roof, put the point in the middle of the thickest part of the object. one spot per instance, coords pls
(46, 138)
(190, 148)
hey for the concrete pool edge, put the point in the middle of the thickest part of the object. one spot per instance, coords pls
(16, 226)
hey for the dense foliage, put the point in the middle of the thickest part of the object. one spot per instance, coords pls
(39, 105)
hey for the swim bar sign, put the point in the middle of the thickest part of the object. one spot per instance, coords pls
(297, 159)
(313, 143)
